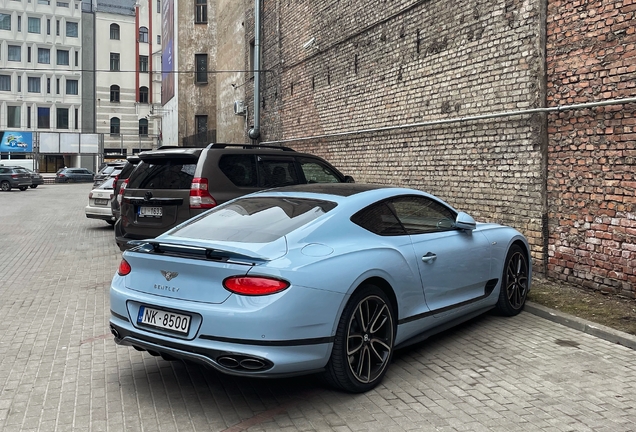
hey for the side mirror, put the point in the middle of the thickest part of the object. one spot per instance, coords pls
(349, 179)
(464, 221)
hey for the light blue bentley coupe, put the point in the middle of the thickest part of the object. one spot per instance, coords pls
(327, 278)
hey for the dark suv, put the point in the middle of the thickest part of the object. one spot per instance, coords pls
(14, 177)
(171, 185)
(126, 171)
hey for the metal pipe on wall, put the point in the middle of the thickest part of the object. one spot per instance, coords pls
(255, 132)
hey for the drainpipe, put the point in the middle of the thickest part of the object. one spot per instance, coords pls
(255, 132)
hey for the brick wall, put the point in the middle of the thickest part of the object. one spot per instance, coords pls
(591, 56)
(382, 64)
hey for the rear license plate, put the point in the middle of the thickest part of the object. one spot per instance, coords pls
(99, 201)
(150, 211)
(166, 320)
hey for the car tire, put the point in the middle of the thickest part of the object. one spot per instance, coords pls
(5, 186)
(23, 188)
(514, 283)
(363, 346)
(34, 186)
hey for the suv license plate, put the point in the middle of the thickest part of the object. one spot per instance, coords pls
(163, 319)
(150, 211)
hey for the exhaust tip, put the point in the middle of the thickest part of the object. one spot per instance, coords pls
(228, 362)
(114, 332)
(252, 364)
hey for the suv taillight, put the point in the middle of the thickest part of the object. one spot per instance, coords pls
(122, 188)
(115, 181)
(200, 197)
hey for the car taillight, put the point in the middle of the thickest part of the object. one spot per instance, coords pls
(200, 197)
(15, 176)
(115, 181)
(122, 188)
(254, 285)
(124, 268)
(90, 195)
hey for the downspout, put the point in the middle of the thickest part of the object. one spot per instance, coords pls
(255, 132)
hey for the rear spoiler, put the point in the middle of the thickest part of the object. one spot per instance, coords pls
(192, 252)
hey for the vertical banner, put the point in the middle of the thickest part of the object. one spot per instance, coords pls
(167, 57)
(16, 142)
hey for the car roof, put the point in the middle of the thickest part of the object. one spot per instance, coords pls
(170, 152)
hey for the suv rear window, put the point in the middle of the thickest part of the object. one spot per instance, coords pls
(163, 174)
(255, 220)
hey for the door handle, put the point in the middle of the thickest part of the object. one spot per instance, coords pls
(429, 257)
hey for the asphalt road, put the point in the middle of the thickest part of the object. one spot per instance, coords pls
(61, 371)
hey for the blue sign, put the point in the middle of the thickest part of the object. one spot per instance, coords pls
(16, 142)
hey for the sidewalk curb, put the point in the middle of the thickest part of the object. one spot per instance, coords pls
(591, 328)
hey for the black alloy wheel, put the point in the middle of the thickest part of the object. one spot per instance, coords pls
(23, 188)
(514, 283)
(363, 347)
(5, 186)
(34, 186)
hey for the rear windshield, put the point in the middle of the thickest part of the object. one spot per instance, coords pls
(255, 220)
(163, 174)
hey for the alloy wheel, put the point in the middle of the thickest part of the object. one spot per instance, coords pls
(517, 280)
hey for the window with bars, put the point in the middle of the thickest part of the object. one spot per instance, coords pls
(44, 55)
(72, 87)
(34, 85)
(201, 65)
(114, 61)
(33, 25)
(201, 12)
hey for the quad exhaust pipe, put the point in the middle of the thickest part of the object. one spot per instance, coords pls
(242, 363)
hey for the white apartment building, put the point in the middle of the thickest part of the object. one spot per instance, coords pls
(128, 75)
(40, 65)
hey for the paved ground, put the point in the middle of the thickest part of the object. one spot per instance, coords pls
(61, 371)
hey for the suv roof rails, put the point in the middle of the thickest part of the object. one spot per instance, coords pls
(166, 147)
(248, 146)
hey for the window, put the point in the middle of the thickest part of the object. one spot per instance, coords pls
(143, 94)
(143, 127)
(158, 6)
(114, 126)
(201, 11)
(71, 29)
(48, 26)
(143, 34)
(19, 84)
(76, 118)
(57, 86)
(62, 57)
(28, 54)
(316, 172)
(61, 4)
(114, 32)
(34, 25)
(62, 118)
(5, 21)
(143, 63)
(201, 64)
(15, 53)
(114, 93)
(72, 87)
(29, 116)
(44, 118)
(44, 2)
(57, 27)
(13, 116)
(76, 58)
(114, 61)
(5, 82)
(33, 85)
(19, 23)
(158, 39)
(48, 85)
(201, 123)
(44, 55)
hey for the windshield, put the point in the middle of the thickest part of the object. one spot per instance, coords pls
(255, 220)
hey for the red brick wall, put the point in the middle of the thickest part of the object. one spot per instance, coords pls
(591, 56)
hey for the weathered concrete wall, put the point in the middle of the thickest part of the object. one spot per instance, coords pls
(396, 63)
(591, 56)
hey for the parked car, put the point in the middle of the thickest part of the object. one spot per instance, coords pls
(14, 177)
(36, 178)
(71, 175)
(172, 185)
(120, 178)
(99, 200)
(109, 169)
(316, 277)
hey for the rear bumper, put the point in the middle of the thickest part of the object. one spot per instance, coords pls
(104, 213)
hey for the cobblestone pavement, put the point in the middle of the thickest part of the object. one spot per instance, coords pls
(61, 371)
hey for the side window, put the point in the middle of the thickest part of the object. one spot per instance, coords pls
(240, 169)
(421, 215)
(379, 219)
(317, 172)
(276, 172)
